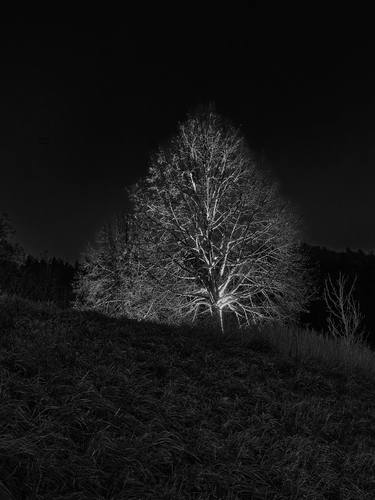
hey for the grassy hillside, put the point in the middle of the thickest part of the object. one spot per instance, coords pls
(94, 408)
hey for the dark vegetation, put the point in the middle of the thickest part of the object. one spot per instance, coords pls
(40, 280)
(351, 263)
(96, 407)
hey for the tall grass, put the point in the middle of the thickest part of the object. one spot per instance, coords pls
(304, 345)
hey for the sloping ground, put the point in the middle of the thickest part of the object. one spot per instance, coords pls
(93, 408)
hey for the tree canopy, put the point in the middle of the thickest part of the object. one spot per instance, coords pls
(216, 233)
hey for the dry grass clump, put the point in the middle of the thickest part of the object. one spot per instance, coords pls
(308, 345)
(93, 407)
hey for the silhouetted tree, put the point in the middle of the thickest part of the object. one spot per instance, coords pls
(11, 254)
(9, 251)
(216, 236)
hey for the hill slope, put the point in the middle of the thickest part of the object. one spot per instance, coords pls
(111, 409)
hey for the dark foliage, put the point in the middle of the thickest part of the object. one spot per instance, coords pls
(10, 251)
(39, 280)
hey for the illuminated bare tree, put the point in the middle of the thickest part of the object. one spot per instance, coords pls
(112, 278)
(217, 233)
(344, 316)
(107, 278)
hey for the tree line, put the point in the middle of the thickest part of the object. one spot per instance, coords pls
(37, 279)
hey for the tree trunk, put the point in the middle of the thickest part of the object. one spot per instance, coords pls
(219, 319)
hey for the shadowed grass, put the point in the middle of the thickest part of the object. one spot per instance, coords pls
(96, 408)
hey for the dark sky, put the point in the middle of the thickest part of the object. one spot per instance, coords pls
(81, 107)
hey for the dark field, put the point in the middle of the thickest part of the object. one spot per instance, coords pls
(96, 408)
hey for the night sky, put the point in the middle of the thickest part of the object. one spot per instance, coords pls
(82, 107)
